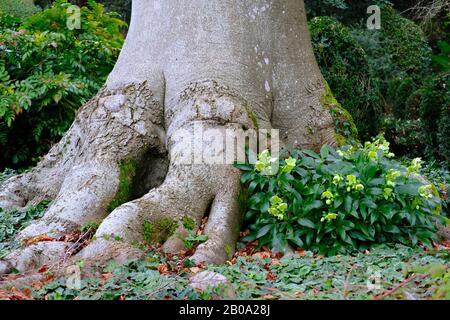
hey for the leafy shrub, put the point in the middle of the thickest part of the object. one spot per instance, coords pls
(406, 44)
(424, 128)
(435, 114)
(18, 8)
(442, 60)
(47, 72)
(399, 56)
(346, 11)
(406, 136)
(122, 7)
(439, 174)
(345, 66)
(339, 201)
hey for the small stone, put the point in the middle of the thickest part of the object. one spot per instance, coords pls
(207, 279)
(4, 268)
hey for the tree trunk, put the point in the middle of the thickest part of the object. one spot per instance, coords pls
(219, 64)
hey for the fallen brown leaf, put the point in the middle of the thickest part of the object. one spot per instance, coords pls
(271, 276)
(195, 269)
(162, 269)
(40, 238)
(43, 269)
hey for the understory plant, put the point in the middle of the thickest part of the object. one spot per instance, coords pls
(47, 71)
(339, 201)
(13, 221)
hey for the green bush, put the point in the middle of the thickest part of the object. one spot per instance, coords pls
(18, 8)
(339, 201)
(406, 44)
(435, 114)
(47, 72)
(423, 129)
(346, 11)
(399, 56)
(345, 66)
(406, 136)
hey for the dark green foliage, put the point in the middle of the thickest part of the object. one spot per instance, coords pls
(439, 174)
(338, 202)
(346, 11)
(442, 60)
(415, 101)
(47, 72)
(122, 7)
(423, 129)
(398, 52)
(345, 66)
(18, 8)
(435, 114)
(406, 136)
(406, 44)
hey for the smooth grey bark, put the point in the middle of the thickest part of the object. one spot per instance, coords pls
(219, 63)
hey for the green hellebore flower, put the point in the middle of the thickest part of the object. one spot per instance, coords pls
(425, 191)
(327, 194)
(351, 180)
(264, 156)
(415, 166)
(290, 165)
(373, 155)
(329, 217)
(276, 200)
(337, 179)
(259, 166)
(387, 193)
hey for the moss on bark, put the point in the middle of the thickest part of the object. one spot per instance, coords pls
(159, 231)
(346, 131)
(127, 172)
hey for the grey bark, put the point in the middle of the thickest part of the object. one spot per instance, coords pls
(220, 63)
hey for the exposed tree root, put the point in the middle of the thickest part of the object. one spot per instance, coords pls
(102, 179)
(123, 164)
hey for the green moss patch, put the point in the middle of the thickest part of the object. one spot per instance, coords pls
(189, 223)
(125, 191)
(159, 231)
(346, 131)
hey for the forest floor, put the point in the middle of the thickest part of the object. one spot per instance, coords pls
(384, 272)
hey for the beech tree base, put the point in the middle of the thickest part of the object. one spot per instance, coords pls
(226, 66)
(111, 169)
